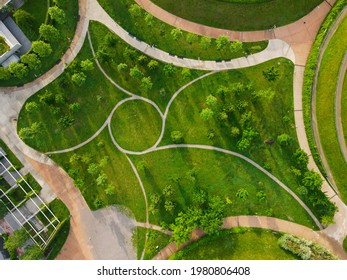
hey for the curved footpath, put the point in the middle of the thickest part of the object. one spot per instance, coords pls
(299, 38)
(338, 104)
(299, 35)
(264, 223)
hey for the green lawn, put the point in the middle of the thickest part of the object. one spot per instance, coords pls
(155, 242)
(188, 170)
(126, 189)
(240, 16)
(131, 127)
(184, 115)
(236, 244)
(38, 9)
(344, 108)
(66, 30)
(96, 93)
(165, 83)
(326, 90)
(10, 155)
(158, 33)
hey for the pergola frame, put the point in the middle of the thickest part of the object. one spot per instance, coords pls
(32, 231)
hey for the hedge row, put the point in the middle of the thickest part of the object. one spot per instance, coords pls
(311, 67)
(306, 250)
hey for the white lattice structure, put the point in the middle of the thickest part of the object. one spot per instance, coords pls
(31, 213)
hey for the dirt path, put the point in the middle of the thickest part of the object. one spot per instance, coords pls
(265, 223)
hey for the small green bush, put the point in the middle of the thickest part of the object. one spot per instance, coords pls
(345, 244)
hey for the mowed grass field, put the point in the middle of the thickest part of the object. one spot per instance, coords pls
(344, 108)
(240, 15)
(236, 244)
(325, 103)
(155, 32)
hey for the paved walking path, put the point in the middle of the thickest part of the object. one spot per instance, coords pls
(299, 35)
(338, 104)
(265, 223)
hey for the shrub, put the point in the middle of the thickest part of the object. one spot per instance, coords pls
(176, 136)
(345, 244)
(5, 74)
(79, 78)
(41, 48)
(304, 249)
(271, 74)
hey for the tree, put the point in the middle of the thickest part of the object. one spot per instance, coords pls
(93, 169)
(57, 14)
(79, 78)
(31, 60)
(31, 106)
(169, 206)
(169, 69)
(222, 42)
(142, 165)
(30, 132)
(104, 161)
(149, 19)
(136, 73)
(206, 114)
(211, 100)
(32, 252)
(242, 194)
(102, 179)
(122, 66)
(205, 42)
(235, 46)
(110, 190)
(168, 191)
(16, 240)
(24, 19)
(271, 74)
(146, 83)
(284, 139)
(192, 38)
(19, 70)
(75, 107)
(41, 48)
(87, 65)
(153, 64)
(199, 197)
(176, 136)
(235, 132)
(5, 74)
(176, 34)
(300, 159)
(312, 180)
(135, 10)
(186, 73)
(49, 32)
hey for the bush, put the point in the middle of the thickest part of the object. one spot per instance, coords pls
(304, 249)
(41, 48)
(176, 136)
(345, 244)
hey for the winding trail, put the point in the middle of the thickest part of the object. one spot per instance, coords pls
(265, 223)
(338, 103)
(299, 41)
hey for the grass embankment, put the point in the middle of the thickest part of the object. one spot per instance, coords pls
(325, 106)
(157, 33)
(189, 170)
(240, 16)
(344, 108)
(38, 9)
(310, 70)
(236, 244)
(131, 128)
(97, 92)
